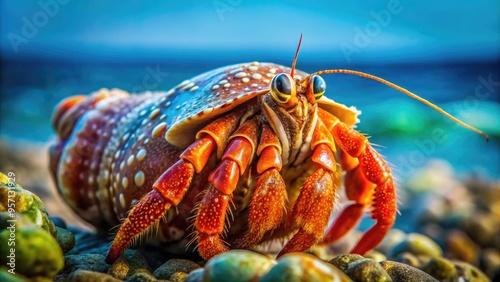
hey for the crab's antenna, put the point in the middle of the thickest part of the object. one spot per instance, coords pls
(296, 55)
(399, 88)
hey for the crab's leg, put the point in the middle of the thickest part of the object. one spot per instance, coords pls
(172, 185)
(359, 190)
(222, 182)
(267, 204)
(315, 202)
(369, 182)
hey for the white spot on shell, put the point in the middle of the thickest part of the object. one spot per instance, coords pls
(195, 88)
(122, 201)
(125, 137)
(139, 178)
(254, 63)
(170, 92)
(215, 87)
(154, 114)
(253, 68)
(178, 107)
(256, 76)
(158, 129)
(189, 86)
(125, 182)
(246, 89)
(185, 82)
(266, 80)
(167, 104)
(91, 180)
(117, 154)
(224, 81)
(254, 85)
(141, 154)
(122, 165)
(130, 160)
(240, 74)
(272, 70)
(245, 79)
(227, 85)
(140, 137)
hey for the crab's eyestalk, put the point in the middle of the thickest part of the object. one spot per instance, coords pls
(282, 88)
(401, 89)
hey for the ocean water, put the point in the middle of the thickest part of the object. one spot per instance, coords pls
(408, 132)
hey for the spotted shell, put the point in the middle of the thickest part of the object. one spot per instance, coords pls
(111, 147)
(208, 95)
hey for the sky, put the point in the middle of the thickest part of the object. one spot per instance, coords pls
(348, 31)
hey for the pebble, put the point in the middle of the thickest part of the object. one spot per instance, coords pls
(342, 262)
(141, 276)
(392, 238)
(65, 239)
(92, 262)
(174, 267)
(407, 258)
(195, 275)
(483, 228)
(416, 244)
(366, 270)
(90, 276)
(376, 256)
(128, 264)
(58, 222)
(468, 272)
(235, 266)
(303, 267)
(461, 247)
(35, 248)
(400, 272)
(440, 268)
(489, 261)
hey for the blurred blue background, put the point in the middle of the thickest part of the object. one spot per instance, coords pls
(447, 52)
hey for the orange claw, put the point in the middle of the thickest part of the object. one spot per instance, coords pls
(368, 182)
(169, 190)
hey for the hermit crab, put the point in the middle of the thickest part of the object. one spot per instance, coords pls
(228, 159)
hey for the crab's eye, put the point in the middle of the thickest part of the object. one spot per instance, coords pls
(281, 88)
(319, 86)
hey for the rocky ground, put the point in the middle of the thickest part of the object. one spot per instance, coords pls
(451, 234)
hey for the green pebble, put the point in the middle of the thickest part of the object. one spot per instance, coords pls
(440, 268)
(342, 262)
(367, 270)
(303, 267)
(36, 251)
(65, 239)
(90, 276)
(416, 244)
(236, 266)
